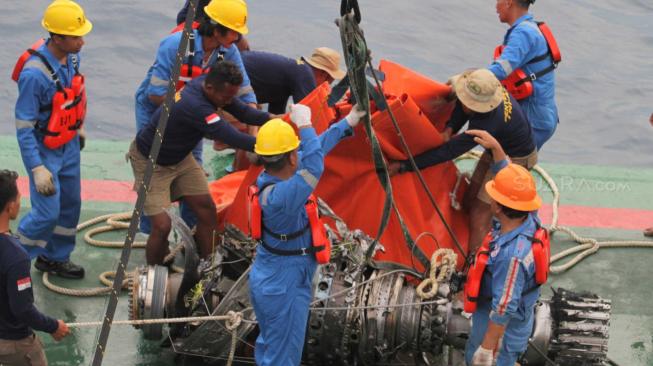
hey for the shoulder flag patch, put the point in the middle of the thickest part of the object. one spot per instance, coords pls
(213, 118)
(24, 283)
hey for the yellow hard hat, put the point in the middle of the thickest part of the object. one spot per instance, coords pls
(230, 13)
(275, 137)
(66, 17)
(514, 187)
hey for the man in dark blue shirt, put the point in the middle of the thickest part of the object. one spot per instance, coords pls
(18, 315)
(486, 105)
(275, 77)
(177, 175)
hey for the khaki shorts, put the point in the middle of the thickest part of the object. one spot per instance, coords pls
(483, 174)
(169, 183)
(23, 352)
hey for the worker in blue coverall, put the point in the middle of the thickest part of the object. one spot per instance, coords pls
(19, 345)
(523, 43)
(275, 78)
(280, 285)
(224, 24)
(503, 321)
(49, 228)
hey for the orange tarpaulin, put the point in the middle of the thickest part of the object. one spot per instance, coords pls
(351, 188)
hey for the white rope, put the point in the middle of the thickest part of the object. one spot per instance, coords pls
(233, 320)
(586, 246)
(444, 260)
(114, 221)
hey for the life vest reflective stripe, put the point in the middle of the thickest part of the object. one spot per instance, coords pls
(321, 246)
(541, 248)
(518, 83)
(68, 107)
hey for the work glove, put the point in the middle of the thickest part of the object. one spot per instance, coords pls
(300, 115)
(482, 357)
(355, 116)
(82, 138)
(43, 181)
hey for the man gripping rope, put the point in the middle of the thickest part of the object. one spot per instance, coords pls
(19, 346)
(50, 110)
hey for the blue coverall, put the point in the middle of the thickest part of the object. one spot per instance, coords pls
(49, 228)
(156, 83)
(523, 42)
(280, 286)
(508, 293)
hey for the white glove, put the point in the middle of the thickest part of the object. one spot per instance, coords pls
(300, 115)
(43, 181)
(483, 357)
(355, 116)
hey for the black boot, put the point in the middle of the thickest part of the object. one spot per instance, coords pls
(66, 269)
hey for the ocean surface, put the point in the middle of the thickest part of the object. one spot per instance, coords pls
(605, 81)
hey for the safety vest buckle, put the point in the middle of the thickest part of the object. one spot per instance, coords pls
(283, 237)
(305, 251)
(533, 76)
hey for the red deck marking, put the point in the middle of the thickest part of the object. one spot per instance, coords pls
(600, 217)
(570, 215)
(95, 190)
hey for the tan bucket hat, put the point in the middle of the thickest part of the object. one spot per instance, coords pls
(479, 90)
(328, 60)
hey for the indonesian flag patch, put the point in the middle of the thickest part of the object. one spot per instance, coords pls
(211, 119)
(24, 283)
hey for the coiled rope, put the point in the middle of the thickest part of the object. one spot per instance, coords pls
(113, 222)
(586, 246)
(443, 260)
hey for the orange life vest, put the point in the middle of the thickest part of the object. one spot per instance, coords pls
(189, 71)
(540, 245)
(68, 107)
(518, 83)
(321, 247)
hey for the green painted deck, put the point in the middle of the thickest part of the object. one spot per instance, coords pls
(621, 275)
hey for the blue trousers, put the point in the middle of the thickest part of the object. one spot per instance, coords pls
(515, 338)
(50, 227)
(143, 116)
(281, 296)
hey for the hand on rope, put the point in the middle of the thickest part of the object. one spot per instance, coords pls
(443, 260)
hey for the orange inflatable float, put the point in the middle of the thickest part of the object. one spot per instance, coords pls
(349, 184)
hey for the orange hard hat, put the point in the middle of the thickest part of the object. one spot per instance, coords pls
(514, 187)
